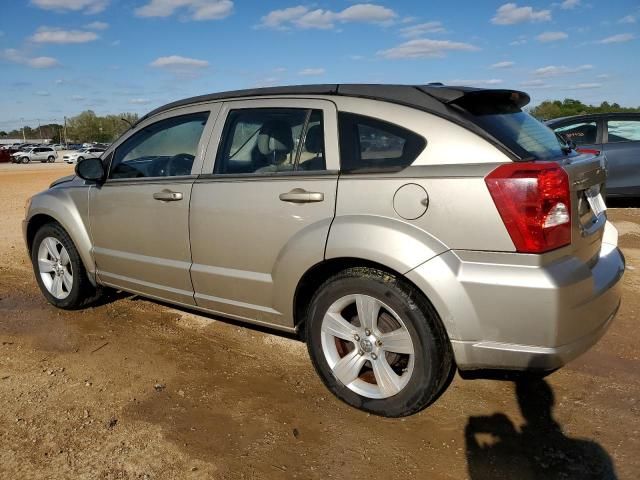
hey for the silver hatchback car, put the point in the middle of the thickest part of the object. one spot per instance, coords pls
(404, 231)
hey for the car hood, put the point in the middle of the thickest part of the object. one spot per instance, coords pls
(67, 179)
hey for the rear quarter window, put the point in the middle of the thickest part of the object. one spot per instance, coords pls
(370, 145)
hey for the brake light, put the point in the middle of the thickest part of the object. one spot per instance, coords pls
(533, 199)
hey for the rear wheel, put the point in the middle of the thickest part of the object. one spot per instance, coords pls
(80, 159)
(59, 271)
(377, 343)
(51, 159)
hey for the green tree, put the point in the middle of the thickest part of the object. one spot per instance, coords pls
(555, 108)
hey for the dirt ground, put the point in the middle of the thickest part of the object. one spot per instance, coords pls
(132, 389)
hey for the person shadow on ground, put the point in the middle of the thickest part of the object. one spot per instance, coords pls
(539, 449)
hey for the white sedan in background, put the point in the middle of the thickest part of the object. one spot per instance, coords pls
(78, 156)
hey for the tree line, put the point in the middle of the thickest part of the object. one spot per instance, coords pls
(89, 127)
(568, 107)
(85, 127)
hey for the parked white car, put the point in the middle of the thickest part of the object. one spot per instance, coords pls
(78, 156)
(29, 154)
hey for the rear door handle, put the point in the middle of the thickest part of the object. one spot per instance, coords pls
(167, 196)
(300, 195)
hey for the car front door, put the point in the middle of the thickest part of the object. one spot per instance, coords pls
(140, 216)
(261, 216)
(622, 149)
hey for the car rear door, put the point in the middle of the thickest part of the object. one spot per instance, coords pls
(140, 216)
(260, 217)
(622, 149)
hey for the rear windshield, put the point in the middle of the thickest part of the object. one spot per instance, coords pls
(522, 134)
(499, 114)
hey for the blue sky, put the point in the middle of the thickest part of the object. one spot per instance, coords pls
(60, 57)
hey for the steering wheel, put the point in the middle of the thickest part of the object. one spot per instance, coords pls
(179, 164)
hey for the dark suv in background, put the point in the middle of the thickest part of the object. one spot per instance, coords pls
(615, 134)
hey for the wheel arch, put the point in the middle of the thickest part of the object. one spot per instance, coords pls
(65, 213)
(320, 272)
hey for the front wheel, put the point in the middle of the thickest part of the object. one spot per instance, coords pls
(377, 343)
(79, 159)
(59, 271)
(25, 160)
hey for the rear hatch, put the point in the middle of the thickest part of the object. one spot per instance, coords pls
(499, 113)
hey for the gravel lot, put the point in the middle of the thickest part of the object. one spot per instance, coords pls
(133, 389)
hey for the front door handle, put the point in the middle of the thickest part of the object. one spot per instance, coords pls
(167, 196)
(300, 195)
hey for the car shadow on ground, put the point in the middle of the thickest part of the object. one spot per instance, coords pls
(539, 449)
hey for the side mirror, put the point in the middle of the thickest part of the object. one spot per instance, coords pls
(91, 169)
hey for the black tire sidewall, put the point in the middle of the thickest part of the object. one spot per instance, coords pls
(51, 159)
(424, 384)
(76, 295)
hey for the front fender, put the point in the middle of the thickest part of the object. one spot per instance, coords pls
(393, 243)
(70, 208)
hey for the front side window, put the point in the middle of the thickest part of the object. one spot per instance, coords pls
(163, 149)
(623, 130)
(368, 144)
(271, 140)
(583, 133)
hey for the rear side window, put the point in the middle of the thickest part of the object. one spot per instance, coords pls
(371, 145)
(583, 133)
(623, 130)
(271, 140)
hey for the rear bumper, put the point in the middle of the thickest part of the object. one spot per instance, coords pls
(502, 315)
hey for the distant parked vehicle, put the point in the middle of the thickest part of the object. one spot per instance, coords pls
(75, 157)
(29, 154)
(617, 135)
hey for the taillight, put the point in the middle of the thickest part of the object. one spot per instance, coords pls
(534, 202)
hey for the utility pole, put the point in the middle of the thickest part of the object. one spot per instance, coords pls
(24, 139)
(65, 132)
(40, 130)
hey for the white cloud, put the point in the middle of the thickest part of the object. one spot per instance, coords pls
(77, 98)
(475, 83)
(426, 48)
(584, 86)
(178, 63)
(15, 56)
(535, 84)
(569, 4)
(86, 6)
(97, 26)
(42, 93)
(421, 29)
(197, 9)
(139, 101)
(620, 38)
(628, 19)
(305, 18)
(59, 36)
(311, 72)
(115, 43)
(511, 13)
(547, 37)
(554, 70)
(503, 65)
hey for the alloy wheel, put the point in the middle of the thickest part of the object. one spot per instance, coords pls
(54, 266)
(367, 346)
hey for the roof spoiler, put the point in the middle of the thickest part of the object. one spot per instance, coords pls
(455, 95)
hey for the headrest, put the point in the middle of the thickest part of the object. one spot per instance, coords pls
(315, 139)
(275, 136)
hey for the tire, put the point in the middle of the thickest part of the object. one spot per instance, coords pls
(79, 159)
(25, 160)
(51, 159)
(80, 292)
(418, 378)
